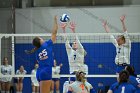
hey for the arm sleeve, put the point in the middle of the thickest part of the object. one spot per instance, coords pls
(68, 47)
(127, 39)
(49, 42)
(113, 40)
(80, 47)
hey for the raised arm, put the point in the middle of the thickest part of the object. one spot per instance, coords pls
(127, 39)
(80, 47)
(122, 18)
(113, 40)
(54, 30)
(67, 44)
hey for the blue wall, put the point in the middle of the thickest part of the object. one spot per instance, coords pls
(97, 53)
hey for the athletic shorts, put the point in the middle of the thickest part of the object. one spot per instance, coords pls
(55, 79)
(44, 74)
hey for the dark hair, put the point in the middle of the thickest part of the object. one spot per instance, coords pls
(36, 42)
(122, 37)
(78, 75)
(123, 76)
(131, 70)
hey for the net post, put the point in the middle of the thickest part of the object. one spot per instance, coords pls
(0, 54)
(13, 55)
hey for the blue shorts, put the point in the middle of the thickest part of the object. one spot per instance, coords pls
(44, 74)
(55, 79)
(120, 68)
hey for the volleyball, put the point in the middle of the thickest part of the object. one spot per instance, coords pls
(64, 18)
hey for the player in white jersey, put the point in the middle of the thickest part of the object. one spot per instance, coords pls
(76, 52)
(55, 77)
(6, 69)
(80, 85)
(19, 80)
(123, 46)
(35, 83)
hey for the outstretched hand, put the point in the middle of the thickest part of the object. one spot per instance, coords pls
(63, 26)
(55, 22)
(72, 26)
(105, 26)
(104, 22)
(122, 18)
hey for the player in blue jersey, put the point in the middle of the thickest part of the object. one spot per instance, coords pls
(122, 86)
(133, 78)
(44, 56)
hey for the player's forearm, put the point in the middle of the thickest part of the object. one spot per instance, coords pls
(106, 29)
(78, 42)
(54, 31)
(123, 25)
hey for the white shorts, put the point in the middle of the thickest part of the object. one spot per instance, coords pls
(35, 84)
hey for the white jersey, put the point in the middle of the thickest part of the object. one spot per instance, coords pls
(76, 58)
(66, 86)
(18, 72)
(6, 70)
(33, 79)
(122, 51)
(85, 69)
(79, 87)
(56, 71)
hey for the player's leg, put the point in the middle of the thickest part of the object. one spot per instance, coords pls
(20, 86)
(52, 86)
(33, 88)
(57, 86)
(45, 76)
(7, 87)
(45, 86)
(36, 89)
(3, 87)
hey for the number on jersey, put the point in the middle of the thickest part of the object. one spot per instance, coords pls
(123, 90)
(138, 80)
(43, 54)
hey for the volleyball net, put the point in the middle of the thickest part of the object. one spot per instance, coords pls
(99, 59)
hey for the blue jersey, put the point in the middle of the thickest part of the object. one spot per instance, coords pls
(44, 54)
(122, 88)
(135, 82)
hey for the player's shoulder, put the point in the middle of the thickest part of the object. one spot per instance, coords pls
(114, 84)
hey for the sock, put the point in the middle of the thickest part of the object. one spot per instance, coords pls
(33, 92)
(57, 91)
(52, 91)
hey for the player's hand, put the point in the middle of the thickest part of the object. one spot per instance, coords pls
(55, 22)
(122, 18)
(63, 26)
(72, 26)
(104, 23)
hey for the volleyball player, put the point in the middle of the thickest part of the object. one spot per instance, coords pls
(55, 80)
(19, 80)
(123, 46)
(80, 85)
(122, 86)
(133, 78)
(44, 56)
(76, 52)
(35, 83)
(6, 69)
